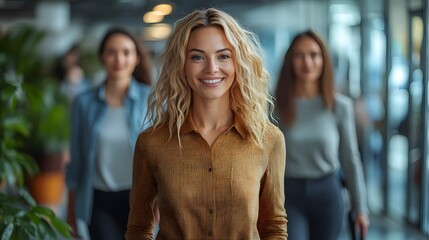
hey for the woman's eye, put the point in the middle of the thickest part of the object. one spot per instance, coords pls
(224, 57)
(196, 57)
(314, 55)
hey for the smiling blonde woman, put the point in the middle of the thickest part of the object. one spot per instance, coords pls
(212, 161)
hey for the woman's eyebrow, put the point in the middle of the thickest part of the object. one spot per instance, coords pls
(199, 50)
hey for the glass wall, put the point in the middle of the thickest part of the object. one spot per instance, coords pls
(373, 71)
(425, 99)
(397, 102)
(406, 124)
(415, 118)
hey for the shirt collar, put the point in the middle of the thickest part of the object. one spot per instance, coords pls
(133, 91)
(189, 126)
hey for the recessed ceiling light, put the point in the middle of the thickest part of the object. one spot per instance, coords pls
(164, 8)
(153, 17)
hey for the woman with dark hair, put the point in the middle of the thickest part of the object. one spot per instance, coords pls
(70, 73)
(105, 124)
(319, 129)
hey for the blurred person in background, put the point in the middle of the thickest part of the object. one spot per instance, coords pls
(105, 124)
(212, 160)
(69, 71)
(319, 128)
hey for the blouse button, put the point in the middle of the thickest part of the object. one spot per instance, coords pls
(211, 211)
(210, 233)
(210, 169)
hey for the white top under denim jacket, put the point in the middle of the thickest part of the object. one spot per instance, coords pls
(88, 112)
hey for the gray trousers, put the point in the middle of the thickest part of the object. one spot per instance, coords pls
(314, 207)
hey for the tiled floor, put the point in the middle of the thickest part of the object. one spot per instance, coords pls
(383, 228)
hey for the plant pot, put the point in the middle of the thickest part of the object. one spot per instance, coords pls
(53, 162)
(47, 187)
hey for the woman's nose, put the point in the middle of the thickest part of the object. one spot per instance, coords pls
(211, 67)
(119, 58)
(307, 59)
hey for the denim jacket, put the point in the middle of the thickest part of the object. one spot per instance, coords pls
(88, 112)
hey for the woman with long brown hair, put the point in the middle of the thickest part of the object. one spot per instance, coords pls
(320, 132)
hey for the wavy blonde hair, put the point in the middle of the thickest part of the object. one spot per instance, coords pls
(170, 100)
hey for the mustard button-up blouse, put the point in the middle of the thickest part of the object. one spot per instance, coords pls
(230, 190)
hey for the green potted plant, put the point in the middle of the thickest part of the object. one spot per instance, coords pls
(48, 143)
(20, 216)
(51, 126)
(47, 140)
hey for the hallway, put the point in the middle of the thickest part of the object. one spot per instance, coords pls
(383, 228)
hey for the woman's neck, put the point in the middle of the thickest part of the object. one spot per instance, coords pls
(116, 91)
(307, 89)
(212, 119)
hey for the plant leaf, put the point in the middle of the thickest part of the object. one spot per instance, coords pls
(33, 218)
(27, 226)
(10, 176)
(7, 232)
(24, 194)
(17, 171)
(61, 227)
(20, 234)
(45, 211)
(17, 124)
(28, 163)
(47, 231)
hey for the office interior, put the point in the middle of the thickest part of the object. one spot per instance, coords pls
(380, 52)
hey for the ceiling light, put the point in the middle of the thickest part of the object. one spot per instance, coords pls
(164, 8)
(157, 32)
(153, 17)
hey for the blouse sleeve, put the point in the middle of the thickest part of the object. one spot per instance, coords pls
(272, 215)
(141, 219)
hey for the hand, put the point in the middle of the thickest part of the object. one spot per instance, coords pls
(71, 217)
(362, 222)
(71, 220)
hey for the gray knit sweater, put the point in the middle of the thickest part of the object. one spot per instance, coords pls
(321, 141)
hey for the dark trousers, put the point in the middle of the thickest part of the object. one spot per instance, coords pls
(314, 207)
(109, 215)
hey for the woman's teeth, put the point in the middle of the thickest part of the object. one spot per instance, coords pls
(212, 81)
